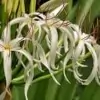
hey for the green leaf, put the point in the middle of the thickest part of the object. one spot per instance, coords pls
(51, 5)
(84, 8)
(52, 86)
(32, 6)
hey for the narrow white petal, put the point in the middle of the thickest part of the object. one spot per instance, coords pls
(28, 83)
(21, 26)
(76, 30)
(17, 20)
(40, 31)
(65, 42)
(46, 30)
(42, 55)
(27, 55)
(6, 34)
(47, 36)
(77, 77)
(67, 58)
(71, 46)
(83, 52)
(76, 36)
(97, 79)
(7, 67)
(81, 65)
(69, 35)
(77, 71)
(78, 50)
(29, 70)
(20, 59)
(53, 48)
(48, 41)
(15, 42)
(44, 61)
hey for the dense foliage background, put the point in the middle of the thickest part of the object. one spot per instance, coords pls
(86, 14)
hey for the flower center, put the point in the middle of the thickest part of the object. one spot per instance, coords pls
(7, 46)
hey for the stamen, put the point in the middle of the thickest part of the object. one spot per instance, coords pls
(7, 46)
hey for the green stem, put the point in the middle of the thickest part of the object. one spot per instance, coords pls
(19, 79)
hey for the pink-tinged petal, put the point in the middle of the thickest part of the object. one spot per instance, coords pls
(7, 67)
(1, 46)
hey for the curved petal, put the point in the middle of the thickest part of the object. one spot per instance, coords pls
(21, 26)
(65, 42)
(17, 20)
(97, 49)
(69, 35)
(78, 50)
(67, 58)
(28, 83)
(76, 32)
(29, 72)
(26, 54)
(95, 64)
(15, 42)
(44, 61)
(53, 48)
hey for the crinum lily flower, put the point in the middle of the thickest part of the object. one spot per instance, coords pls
(49, 24)
(7, 46)
(83, 41)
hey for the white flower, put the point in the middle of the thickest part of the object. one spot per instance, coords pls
(84, 41)
(7, 46)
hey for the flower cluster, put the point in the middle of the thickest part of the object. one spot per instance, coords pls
(43, 40)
